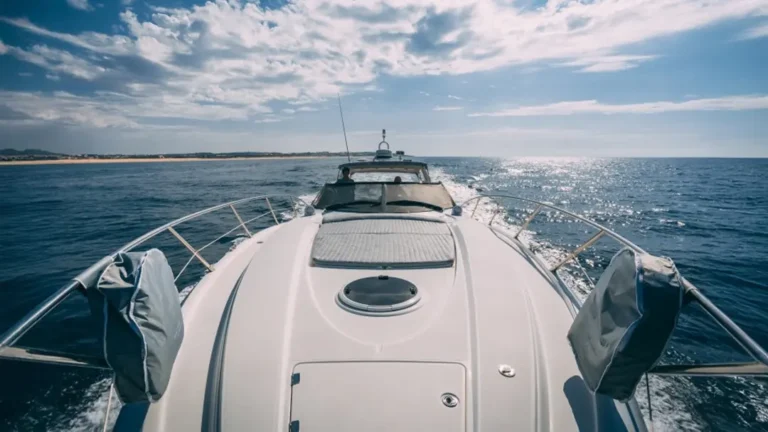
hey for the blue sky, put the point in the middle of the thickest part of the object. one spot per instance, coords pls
(493, 78)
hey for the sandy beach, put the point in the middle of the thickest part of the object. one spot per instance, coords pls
(143, 160)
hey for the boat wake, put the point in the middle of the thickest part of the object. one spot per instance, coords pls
(90, 414)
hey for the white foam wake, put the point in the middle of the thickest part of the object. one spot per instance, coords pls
(90, 415)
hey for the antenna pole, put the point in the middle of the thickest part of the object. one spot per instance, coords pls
(343, 128)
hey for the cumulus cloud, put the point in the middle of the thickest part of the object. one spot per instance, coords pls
(80, 4)
(423, 93)
(447, 108)
(455, 97)
(729, 103)
(234, 58)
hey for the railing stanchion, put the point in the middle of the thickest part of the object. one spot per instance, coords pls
(191, 249)
(274, 216)
(528, 220)
(579, 250)
(239, 219)
(495, 213)
(109, 406)
(477, 203)
(648, 395)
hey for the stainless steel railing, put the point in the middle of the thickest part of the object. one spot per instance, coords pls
(758, 367)
(89, 277)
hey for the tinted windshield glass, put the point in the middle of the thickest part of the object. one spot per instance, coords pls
(405, 177)
(430, 194)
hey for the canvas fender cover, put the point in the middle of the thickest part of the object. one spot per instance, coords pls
(137, 306)
(626, 322)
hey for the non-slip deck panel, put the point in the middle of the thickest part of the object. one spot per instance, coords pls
(384, 242)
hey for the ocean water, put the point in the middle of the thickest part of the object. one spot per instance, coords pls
(709, 215)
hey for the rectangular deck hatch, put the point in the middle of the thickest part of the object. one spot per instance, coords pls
(395, 243)
(377, 396)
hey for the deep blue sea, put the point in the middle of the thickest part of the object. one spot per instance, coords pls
(709, 215)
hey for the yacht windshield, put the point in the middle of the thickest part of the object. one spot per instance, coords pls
(374, 176)
(397, 197)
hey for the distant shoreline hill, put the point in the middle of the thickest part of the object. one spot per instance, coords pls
(43, 155)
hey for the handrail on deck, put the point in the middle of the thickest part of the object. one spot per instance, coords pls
(89, 277)
(757, 368)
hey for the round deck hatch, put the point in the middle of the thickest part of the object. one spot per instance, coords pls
(379, 294)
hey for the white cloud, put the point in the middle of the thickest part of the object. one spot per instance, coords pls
(3, 48)
(455, 97)
(53, 77)
(424, 93)
(728, 103)
(268, 120)
(234, 58)
(271, 118)
(57, 60)
(110, 109)
(759, 31)
(96, 42)
(289, 111)
(306, 109)
(66, 108)
(447, 108)
(80, 4)
(609, 63)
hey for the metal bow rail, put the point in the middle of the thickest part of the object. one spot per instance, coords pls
(758, 367)
(88, 278)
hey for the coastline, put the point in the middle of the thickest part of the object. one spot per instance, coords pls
(147, 160)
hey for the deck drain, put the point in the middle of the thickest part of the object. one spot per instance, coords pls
(450, 400)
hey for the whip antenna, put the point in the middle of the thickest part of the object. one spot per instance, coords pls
(343, 128)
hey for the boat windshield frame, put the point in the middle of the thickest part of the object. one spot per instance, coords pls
(419, 169)
(383, 197)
